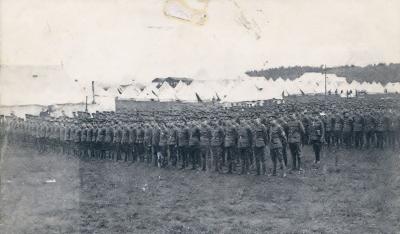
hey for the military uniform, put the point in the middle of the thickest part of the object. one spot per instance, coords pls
(370, 127)
(217, 145)
(117, 141)
(183, 145)
(260, 135)
(380, 131)
(205, 138)
(139, 147)
(125, 142)
(317, 133)
(101, 141)
(347, 130)
(163, 144)
(83, 142)
(108, 141)
(358, 129)
(132, 140)
(284, 126)
(147, 143)
(277, 137)
(194, 144)
(172, 145)
(155, 140)
(338, 128)
(230, 144)
(328, 124)
(244, 145)
(296, 130)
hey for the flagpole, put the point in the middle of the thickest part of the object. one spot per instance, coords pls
(325, 83)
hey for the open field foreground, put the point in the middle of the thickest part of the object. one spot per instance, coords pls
(59, 194)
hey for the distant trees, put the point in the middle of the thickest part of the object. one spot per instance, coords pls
(380, 72)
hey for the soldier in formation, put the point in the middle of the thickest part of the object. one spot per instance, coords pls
(227, 142)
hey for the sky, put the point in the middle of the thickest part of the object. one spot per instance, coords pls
(120, 40)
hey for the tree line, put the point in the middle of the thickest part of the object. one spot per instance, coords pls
(383, 73)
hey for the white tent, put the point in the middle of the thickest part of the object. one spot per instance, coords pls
(166, 92)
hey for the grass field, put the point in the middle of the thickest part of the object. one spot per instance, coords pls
(362, 195)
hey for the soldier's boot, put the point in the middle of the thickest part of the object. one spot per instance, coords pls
(247, 166)
(258, 169)
(264, 168)
(283, 170)
(194, 164)
(294, 166)
(155, 158)
(203, 163)
(243, 171)
(183, 164)
(299, 165)
(274, 169)
(230, 167)
(284, 156)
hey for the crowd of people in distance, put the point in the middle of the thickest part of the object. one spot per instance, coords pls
(212, 138)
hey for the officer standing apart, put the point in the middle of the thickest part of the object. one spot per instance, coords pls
(295, 131)
(317, 136)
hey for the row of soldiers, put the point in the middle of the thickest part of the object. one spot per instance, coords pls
(210, 144)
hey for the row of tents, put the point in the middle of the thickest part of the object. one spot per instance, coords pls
(249, 88)
(51, 85)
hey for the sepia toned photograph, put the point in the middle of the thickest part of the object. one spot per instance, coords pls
(199, 116)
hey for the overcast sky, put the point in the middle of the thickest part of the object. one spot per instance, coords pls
(112, 40)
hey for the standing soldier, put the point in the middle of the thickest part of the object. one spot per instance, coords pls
(259, 143)
(194, 144)
(317, 136)
(132, 141)
(205, 138)
(296, 130)
(89, 143)
(125, 142)
(172, 144)
(397, 129)
(42, 141)
(147, 142)
(84, 143)
(380, 130)
(69, 138)
(62, 138)
(155, 140)
(117, 140)
(328, 124)
(48, 135)
(358, 129)
(230, 144)
(108, 140)
(77, 139)
(283, 123)
(277, 136)
(101, 140)
(306, 123)
(338, 129)
(162, 157)
(244, 144)
(392, 131)
(139, 142)
(96, 148)
(347, 129)
(183, 145)
(217, 144)
(370, 127)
